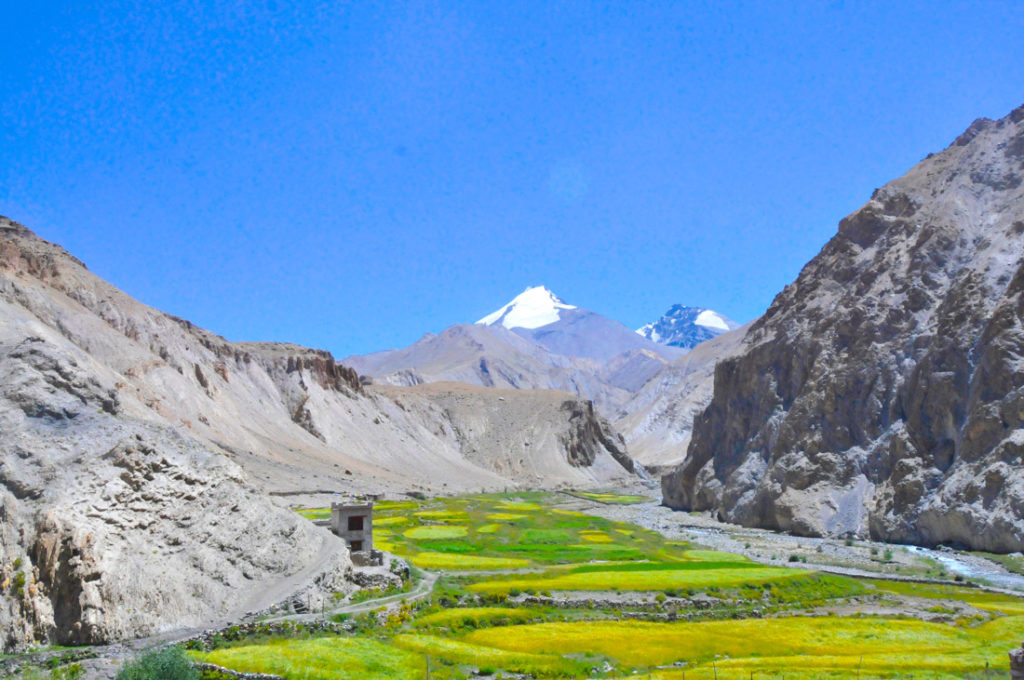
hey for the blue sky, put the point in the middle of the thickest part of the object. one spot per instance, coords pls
(352, 175)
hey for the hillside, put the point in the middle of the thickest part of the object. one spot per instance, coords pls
(882, 392)
(138, 447)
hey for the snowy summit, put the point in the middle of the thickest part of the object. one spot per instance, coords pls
(686, 326)
(534, 307)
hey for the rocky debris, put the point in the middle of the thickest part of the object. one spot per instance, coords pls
(13, 665)
(882, 393)
(380, 580)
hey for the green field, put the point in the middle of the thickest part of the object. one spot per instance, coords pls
(531, 589)
(612, 498)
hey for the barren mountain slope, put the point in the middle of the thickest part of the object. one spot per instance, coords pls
(882, 391)
(114, 525)
(536, 341)
(524, 425)
(489, 356)
(658, 419)
(89, 506)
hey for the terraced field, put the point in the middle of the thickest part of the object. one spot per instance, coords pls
(531, 588)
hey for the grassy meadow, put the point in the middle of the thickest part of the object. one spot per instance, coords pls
(528, 588)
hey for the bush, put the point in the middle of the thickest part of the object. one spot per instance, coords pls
(794, 558)
(72, 672)
(169, 663)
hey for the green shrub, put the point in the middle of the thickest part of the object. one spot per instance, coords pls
(72, 672)
(169, 663)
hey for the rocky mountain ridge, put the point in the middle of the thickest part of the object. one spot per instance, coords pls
(686, 327)
(536, 341)
(882, 393)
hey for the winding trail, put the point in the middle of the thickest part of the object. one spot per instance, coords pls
(421, 590)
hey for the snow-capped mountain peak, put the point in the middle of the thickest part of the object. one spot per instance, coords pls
(534, 307)
(714, 320)
(686, 326)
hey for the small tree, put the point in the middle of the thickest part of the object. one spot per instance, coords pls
(169, 663)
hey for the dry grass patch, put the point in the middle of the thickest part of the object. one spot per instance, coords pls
(479, 615)
(506, 516)
(389, 521)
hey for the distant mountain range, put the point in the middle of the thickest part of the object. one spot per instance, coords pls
(538, 341)
(539, 315)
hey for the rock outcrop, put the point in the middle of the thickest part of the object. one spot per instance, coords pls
(883, 391)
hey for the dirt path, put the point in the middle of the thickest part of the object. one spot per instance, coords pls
(421, 590)
(282, 589)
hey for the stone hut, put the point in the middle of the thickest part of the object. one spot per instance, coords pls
(354, 523)
(1017, 663)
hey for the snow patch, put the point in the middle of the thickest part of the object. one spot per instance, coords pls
(533, 308)
(710, 319)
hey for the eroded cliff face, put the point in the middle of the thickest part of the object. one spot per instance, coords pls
(113, 527)
(883, 392)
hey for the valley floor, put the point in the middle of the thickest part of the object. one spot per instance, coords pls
(611, 585)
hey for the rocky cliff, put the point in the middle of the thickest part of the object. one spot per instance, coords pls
(115, 525)
(883, 391)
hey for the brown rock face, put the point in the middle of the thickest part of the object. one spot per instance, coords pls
(589, 435)
(883, 391)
